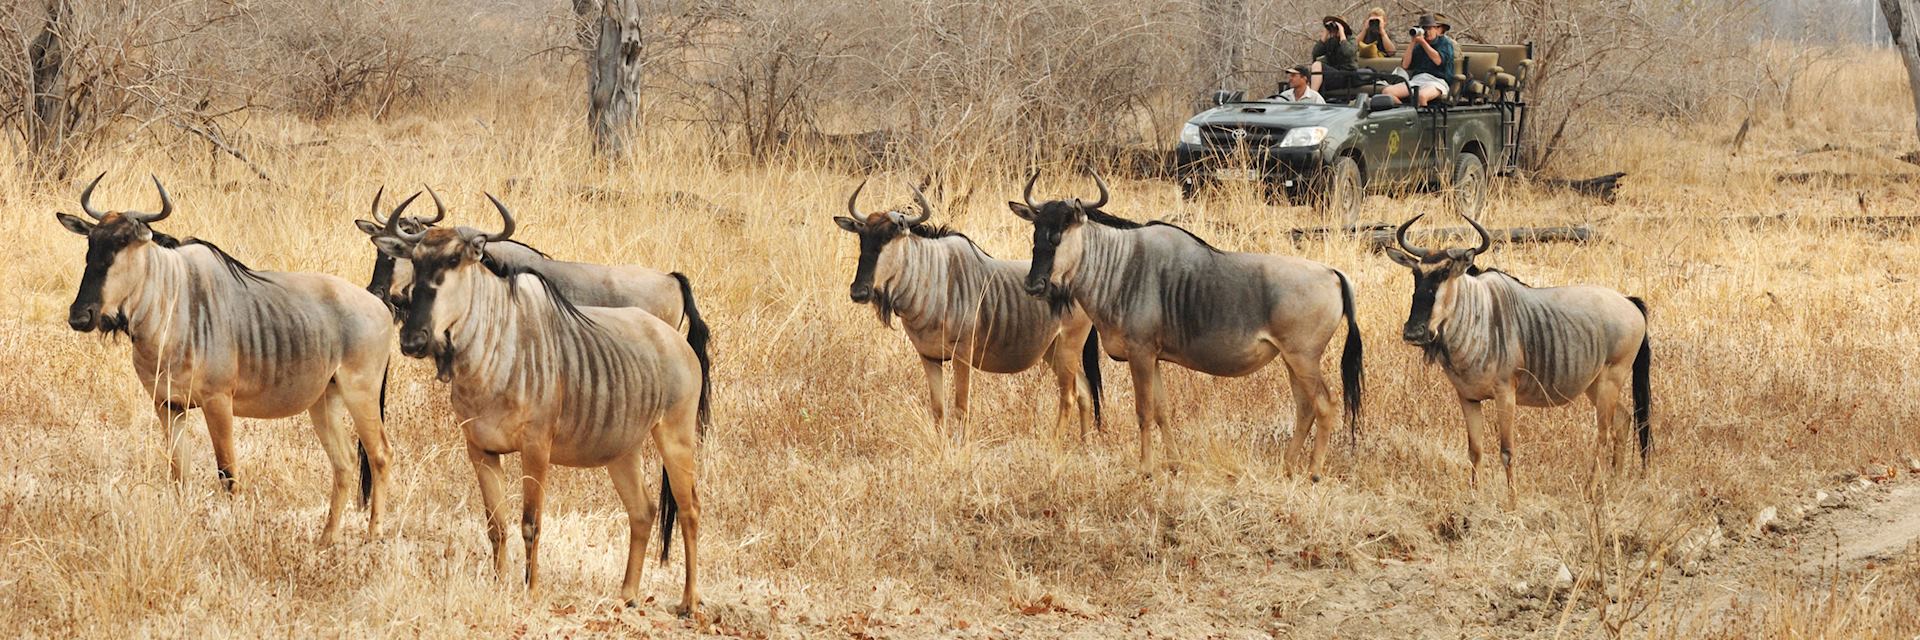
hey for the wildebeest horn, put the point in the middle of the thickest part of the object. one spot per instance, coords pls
(1102, 183)
(506, 218)
(86, 196)
(166, 205)
(1486, 239)
(926, 210)
(373, 211)
(1028, 193)
(1400, 235)
(395, 214)
(439, 208)
(853, 209)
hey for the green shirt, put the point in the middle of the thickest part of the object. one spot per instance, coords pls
(1442, 45)
(1335, 54)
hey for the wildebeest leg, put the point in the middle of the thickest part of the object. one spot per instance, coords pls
(1476, 424)
(1605, 396)
(1302, 425)
(362, 399)
(218, 411)
(962, 379)
(629, 479)
(1146, 376)
(1072, 397)
(936, 393)
(338, 444)
(533, 495)
(1503, 419)
(493, 500)
(1304, 370)
(677, 440)
(173, 427)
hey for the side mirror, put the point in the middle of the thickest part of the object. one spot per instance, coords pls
(1227, 96)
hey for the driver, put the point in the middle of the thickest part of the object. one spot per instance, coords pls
(1298, 90)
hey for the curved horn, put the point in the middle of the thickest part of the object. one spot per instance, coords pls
(852, 209)
(1028, 193)
(439, 208)
(1400, 235)
(926, 210)
(1486, 239)
(1102, 183)
(397, 209)
(86, 196)
(373, 212)
(506, 217)
(166, 205)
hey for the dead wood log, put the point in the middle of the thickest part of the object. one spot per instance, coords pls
(1379, 235)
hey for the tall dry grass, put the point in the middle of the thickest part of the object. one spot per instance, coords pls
(1783, 358)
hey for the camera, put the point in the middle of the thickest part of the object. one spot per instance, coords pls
(1415, 32)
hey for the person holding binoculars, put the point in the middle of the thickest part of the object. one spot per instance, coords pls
(1333, 56)
(1374, 41)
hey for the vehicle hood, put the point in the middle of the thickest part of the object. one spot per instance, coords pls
(1278, 114)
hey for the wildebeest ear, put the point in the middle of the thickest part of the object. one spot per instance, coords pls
(74, 223)
(1402, 258)
(367, 227)
(847, 224)
(1021, 209)
(393, 247)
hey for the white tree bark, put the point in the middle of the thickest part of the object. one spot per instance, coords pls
(613, 74)
(1906, 38)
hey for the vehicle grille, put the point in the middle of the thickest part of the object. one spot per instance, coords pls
(1230, 136)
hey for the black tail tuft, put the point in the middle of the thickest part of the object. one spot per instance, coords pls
(668, 511)
(1642, 393)
(1352, 362)
(698, 337)
(366, 468)
(1090, 366)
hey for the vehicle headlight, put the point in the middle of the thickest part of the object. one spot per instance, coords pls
(1190, 134)
(1304, 137)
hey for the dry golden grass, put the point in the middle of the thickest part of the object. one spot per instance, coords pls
(1783, 360)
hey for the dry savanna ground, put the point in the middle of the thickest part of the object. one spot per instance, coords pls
(1784, 365)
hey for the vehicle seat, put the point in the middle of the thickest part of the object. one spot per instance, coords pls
(1475, 74)
(1509, 72)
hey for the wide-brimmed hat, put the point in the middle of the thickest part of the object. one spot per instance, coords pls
(1426, 20)
(1301, 69)
(1337, 19)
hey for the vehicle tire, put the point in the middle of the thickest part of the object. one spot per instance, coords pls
(1339, 192)
(1468, 192)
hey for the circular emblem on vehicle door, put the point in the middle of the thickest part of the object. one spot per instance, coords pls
(1239, 135)
(1393, 142)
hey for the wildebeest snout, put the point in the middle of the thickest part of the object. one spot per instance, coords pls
(84, 316)
(1417, 334)
(861, 292)
(415, 343)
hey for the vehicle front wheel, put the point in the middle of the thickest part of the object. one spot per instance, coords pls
(1469, 191)
(1340, 193)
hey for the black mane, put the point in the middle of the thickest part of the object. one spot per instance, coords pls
(1117, 222)
(239, 270)
(1474, 270)
(559, 300)
(935, 232)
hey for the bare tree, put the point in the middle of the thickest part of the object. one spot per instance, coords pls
(613, 73)
(48, 124)
(1908, 42)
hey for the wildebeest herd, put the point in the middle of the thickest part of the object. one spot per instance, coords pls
(582, 365)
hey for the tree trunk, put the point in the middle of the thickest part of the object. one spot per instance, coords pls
(49, 120)
(1908, 42)
(613, 75)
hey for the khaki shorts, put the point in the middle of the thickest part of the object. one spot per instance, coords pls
(1426, 80)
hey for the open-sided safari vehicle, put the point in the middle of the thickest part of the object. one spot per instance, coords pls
(1332, 155)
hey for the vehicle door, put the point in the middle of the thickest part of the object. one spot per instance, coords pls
(1387, 143)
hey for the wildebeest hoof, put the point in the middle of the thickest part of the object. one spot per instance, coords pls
(1315, 478)
(633, 604)
(683, 611)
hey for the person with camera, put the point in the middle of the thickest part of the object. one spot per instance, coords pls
(1374, 41)
(1333, 56)
(1298, 90)
(1428, 61)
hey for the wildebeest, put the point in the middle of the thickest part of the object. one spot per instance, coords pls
(591, 285)
(1499, 339)
(575, 386)
(959, 304)
(1157, 292)
(210, 333)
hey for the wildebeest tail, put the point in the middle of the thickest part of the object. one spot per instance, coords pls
(1352, 362)
(668, 511)
(1090, 364)
(698, 337)
(1642, 393)
(366, 468)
